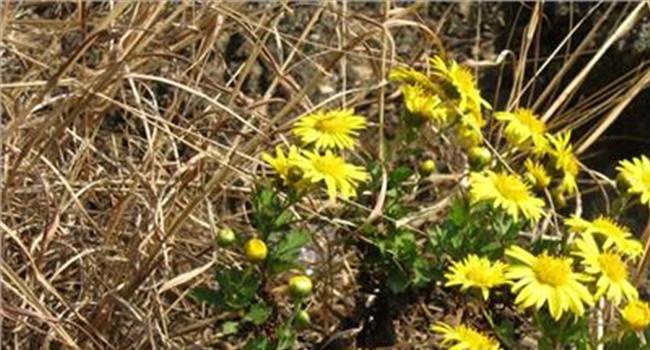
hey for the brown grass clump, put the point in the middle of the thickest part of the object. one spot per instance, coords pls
(132, 132)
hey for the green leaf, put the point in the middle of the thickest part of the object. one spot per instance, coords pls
(399, 175)
(422, 272)
(259, 343)
(258, 313)
(269, 213)
(230, 327)
(237, 288)
(284, 254)
(286, 339)
(207, 295)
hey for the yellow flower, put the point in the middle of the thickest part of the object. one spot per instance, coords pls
(410, 76)
(537, 174)
(610, 268)
(546, 279)
(339, 176)
(331, 129)
(565, 159)
(424, 104)
(636, 315)
(283, 164)
(464, 338)
(463, 82)
(507, 192)
(637, 173)
(524, 127)
(615, 234)
(475, 272)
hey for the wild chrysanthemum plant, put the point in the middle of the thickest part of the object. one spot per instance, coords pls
(464, 337)
(636, 173)
(608, 267)
(474, 272)
(548, 280)
(615, 235)
(335, 129)
(508, 192)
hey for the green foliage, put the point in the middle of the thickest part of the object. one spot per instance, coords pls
(258, 313)
(270, 212)
(286, 249)
(236, 289)
(478, 229)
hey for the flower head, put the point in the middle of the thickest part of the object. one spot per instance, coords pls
(463, 82)
(615, 234)
(424, 104)
(523, 128)
(637, 173)
(609, 267)
(283, 164)
(410, 76)
(464, 337)
(636, 315)
(546, 279)
(565, 159)
(332, 129)
(537, 174)
(475, 272)
(507, 192)
(339, 176)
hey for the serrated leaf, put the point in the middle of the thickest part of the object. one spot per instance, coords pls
(258, 313)
(207, 295)
(284, 254)
(237, 288)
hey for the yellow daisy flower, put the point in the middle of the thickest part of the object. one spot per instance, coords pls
(331, 129)
(546, 279)
(537, 174)
(283, 164)
(506, 191)
(339, 176)
(476, 272)
(636, 315)
(463, 82)
(410, 76)
(464, 338)
(615, 234)
(524, 127)
(565, 159)
(424, 104)
(637, 173)
(610, 268)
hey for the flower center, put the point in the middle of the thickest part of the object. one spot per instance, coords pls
(511, 188)
(480, 276)
(552, 271)
(328, 165)
(329, 125)
(613, 266)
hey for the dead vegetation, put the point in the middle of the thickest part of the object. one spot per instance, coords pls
(132, 132)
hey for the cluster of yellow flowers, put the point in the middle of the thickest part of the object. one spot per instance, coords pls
(448, 96)
(605, 249)
(321, 134)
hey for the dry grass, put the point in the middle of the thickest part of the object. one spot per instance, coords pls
(131, 132)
